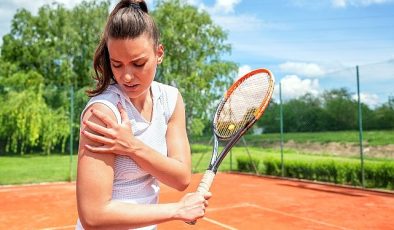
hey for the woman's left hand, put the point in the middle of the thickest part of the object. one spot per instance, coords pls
(115, 138)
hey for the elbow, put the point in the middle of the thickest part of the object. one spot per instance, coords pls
(91, 220)
(182, 187)
(183, 183)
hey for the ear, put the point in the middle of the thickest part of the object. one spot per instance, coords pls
(160, 53)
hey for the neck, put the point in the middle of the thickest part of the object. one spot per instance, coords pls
(143, 103)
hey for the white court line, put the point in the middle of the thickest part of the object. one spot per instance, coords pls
(299, 217)
(218, 223)
(244, 205)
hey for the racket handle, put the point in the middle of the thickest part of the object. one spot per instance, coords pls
(206, 182)
(204, 186)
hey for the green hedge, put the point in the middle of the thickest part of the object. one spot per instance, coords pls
(377, 174)
(245, 163)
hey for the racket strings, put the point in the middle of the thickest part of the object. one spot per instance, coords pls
(242, 105)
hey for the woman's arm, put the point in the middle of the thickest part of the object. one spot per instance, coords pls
(94, 191)
(174, 170)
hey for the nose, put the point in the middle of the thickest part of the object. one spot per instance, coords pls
(128, 75)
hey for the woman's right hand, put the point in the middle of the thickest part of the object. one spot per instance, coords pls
(192, 206)
(113, 137)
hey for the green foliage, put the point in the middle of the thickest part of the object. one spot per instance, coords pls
(194, 46)
(57, 45)
(247, 163)
(334, 111)
(26, 120)
(371, 138)
(377, 174)
(197, 127)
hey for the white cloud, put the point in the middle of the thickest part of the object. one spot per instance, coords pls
(372, 100)
(345, 3)
(303, 69)
(339, 3)
(294, 87)
(225, 6)
(242, 70)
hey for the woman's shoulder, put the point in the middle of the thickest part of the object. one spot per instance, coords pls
(110, 95)
(163, 86)
(167, 96)
(165, 91)
(106, 101)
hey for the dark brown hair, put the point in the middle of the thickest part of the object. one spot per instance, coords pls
(128, 20)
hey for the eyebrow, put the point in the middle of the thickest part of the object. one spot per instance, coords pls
(134, 60)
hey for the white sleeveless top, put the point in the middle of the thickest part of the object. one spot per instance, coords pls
(131, 184)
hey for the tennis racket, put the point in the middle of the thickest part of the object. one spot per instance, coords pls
(242, 105)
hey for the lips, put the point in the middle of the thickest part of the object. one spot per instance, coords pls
(131, 87)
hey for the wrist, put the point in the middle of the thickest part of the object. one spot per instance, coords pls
(137, 148)
(176, 210)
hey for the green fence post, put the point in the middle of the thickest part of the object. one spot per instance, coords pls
(360, 124)
(281, 130)
(71, 131)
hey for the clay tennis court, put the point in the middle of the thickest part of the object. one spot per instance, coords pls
(238, 202)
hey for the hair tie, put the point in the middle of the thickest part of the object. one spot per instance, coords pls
(135, 6)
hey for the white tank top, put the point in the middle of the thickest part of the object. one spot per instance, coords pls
(131, 184)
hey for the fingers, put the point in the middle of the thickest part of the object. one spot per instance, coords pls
(207, 195)
(97, 128)
(194, 206)
(104, 118)
(100, 149)
(201, 199)
(123, 113)
(97, 138)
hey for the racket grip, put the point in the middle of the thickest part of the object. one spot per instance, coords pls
(204, 186)
(206, 182)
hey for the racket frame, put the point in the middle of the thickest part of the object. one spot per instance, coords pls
(215, 162)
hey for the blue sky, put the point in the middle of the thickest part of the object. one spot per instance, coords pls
(309, 45)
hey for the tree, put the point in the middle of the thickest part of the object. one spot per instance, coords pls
(341, 110)
(385, 116)
(270, 121)
(304, 114)
(57, 44)
(194, 46)
(25, 119)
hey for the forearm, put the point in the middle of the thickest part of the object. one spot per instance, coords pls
(170, 171)
(121, 215)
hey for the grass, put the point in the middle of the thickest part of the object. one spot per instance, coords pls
(372, 138)
(35, 168)
(202, 155)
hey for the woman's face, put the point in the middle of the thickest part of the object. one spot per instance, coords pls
(133, 63)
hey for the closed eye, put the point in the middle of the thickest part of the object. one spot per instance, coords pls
(116, 65)
(137, 64)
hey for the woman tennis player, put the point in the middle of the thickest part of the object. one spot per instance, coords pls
(133, 132)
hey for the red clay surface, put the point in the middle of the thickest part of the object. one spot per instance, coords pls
(238, 202)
